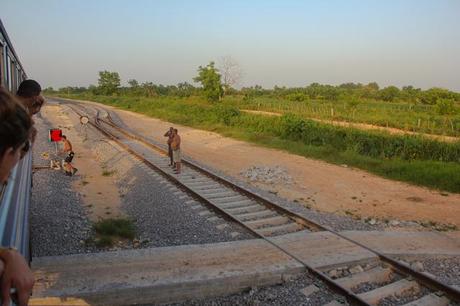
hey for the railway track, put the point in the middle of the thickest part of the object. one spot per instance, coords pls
(375, 284)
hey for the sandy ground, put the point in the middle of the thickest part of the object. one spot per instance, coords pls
(99, 193)
(365, 126)
(322, 186)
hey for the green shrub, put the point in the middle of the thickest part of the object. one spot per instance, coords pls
(123, 228)
(445, 106)
(297, 96)
(227, 114)
(108, 172)
(104, 241)
(375, 144)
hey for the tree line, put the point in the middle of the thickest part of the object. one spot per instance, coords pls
(214, 84)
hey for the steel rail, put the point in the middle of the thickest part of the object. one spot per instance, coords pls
(399, 267)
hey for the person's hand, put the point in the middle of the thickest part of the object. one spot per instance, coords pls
(16, 274)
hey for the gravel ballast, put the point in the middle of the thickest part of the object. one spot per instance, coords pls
(59, 224)
(444, 268)
(288, 293)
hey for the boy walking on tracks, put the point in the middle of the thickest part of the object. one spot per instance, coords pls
(170, 135)
(175, 145)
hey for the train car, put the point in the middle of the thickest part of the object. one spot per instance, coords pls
(11, 70)
(15, 196)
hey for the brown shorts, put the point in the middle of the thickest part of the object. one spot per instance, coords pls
(177, 156)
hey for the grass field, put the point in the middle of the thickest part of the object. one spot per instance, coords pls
(406, 116)
(406, 158)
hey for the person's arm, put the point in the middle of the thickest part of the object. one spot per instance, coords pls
(33, 134)
(32, 131)
(166, 134)
(16, 274)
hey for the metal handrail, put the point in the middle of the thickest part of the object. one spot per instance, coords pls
(14, 207)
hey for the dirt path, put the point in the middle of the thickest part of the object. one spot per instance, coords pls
(99, 192)
(320, 185)
(364, 126)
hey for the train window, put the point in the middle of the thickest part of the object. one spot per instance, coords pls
(13, 77)
(2, 66)
(18, 81)
(11, 72)
(8, 72)
(19, 74)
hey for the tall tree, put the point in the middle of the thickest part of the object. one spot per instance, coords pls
(445, 106)
(210, 79)
(185, 89)
(231, 72)
(149, 89)
(133, 83)
(373, 85)
(108, 82)
(432, 95)
(389, 93)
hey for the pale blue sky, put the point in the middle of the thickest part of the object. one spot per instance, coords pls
(293, 43)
